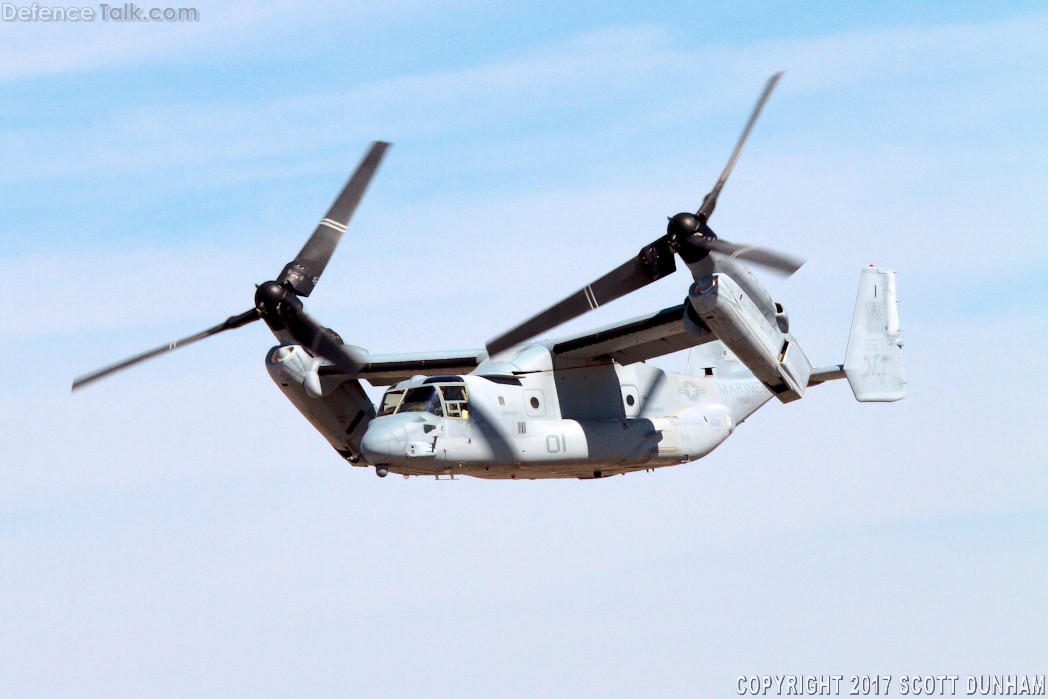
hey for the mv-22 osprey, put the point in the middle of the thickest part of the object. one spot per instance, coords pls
(583, 406)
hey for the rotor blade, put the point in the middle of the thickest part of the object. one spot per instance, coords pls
(761, 256)
(709, 203)
(304, 271)
(229, 324)
(652, 263)
(318, 339)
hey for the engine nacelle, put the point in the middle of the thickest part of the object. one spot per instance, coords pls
(694, 325)
(338, 408)
(772, 355)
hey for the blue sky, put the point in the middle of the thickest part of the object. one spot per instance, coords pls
(180, 530)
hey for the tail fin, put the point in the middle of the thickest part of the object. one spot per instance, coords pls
(873, 362)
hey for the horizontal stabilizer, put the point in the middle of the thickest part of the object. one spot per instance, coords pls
(873, 362)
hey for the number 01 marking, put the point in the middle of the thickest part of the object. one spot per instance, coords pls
(556, 444)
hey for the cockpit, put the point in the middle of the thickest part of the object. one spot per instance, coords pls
(440, 399)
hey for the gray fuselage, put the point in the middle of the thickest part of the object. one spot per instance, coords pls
(538, 421)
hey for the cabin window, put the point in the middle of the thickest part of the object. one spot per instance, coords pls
(390, 401)
(455, 400)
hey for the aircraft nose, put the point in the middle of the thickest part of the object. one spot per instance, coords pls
(383, 443)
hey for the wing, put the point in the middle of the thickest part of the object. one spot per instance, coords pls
(628, 341)
(388, 369)
(633, 340)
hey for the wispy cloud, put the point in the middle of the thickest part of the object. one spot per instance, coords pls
(640, 74)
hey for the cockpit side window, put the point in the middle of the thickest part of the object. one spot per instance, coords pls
(422, 399)
(455, 400)
(390, 401)
(426, 399)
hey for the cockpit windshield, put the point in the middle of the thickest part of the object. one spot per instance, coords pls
(422, 399)
(426, 399)
(390, 401)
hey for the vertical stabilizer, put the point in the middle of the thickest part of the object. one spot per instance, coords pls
(873, 362)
